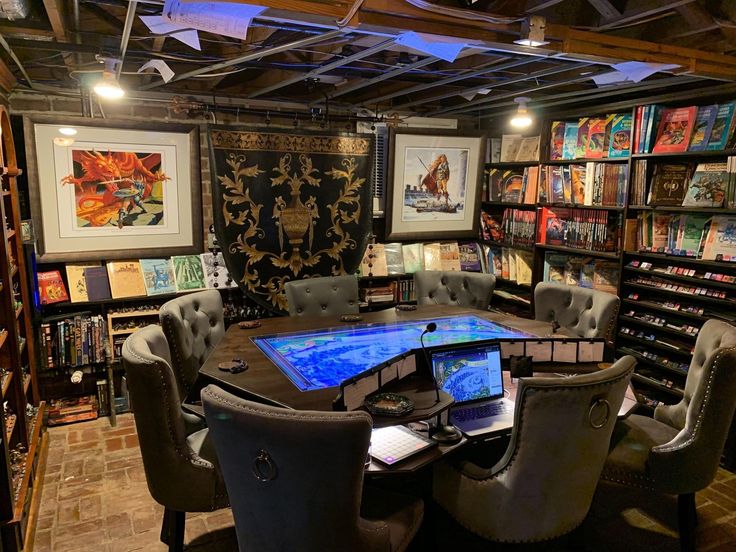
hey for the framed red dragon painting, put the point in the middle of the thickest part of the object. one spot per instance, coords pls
(113, 190)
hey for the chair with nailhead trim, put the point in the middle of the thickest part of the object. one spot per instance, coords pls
(678, 451)
(194, 324)
(325, 296)
(462, 289)
(543, 486)
(179, 460)
(296, 478)
(585, 312)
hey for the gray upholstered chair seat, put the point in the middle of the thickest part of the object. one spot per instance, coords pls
(296, 479)
(201, 445)
(543, 486)
(327, 296)
(462, 289)
(582, 311)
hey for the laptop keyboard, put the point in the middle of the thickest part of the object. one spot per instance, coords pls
(484, 411)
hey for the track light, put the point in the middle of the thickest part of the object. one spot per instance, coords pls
(521, 119)
(532, 31)
(108, 87)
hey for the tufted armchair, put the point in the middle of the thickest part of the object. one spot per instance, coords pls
(543, 486)
(296, 478)
(463, 289)
(585, 312)
(678, 451)
(179, 460)
(327, 296)
(193, 325)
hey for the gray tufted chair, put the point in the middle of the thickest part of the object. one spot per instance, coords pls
(463, 289)
(296, 479)
(678, 451)
(585, 312)
(543, 486)
(193, 325)
(178, 458)
(327, 296)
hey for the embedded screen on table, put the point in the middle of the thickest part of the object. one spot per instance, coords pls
(316, 359)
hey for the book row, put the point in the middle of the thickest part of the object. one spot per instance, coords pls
(73, 342)
(659, 129)
(698, 236)
(685, 184)
(134, 278)
(574, 270)
(513, 265)
(393, 292)
(386, 259)
(514, 227)
(580, 228)
(591, 137)
(514, 148)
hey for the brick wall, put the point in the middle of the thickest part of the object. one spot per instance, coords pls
(147, 112)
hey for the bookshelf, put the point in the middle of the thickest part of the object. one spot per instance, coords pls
(21, 420)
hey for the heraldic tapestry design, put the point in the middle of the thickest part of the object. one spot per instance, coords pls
(290, 205)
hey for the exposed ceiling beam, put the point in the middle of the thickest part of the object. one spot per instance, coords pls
(54, 11)
(127, 27)
(605, 8)
(257, 54)
(15, 59)
(538, 5)
(325, 68)
(493, 68)
(13, 29)
(642, 10)
(523, 78)
(357, 85)
(7, 79)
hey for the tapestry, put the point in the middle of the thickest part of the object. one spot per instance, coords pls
(289, 205)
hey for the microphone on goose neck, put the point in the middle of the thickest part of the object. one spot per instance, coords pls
(431, 327)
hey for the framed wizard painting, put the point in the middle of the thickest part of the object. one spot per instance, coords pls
(435, 188)
(114, 190)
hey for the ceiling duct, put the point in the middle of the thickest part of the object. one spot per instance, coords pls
(14, 9)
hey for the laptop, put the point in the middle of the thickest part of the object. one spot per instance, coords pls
(471, 374)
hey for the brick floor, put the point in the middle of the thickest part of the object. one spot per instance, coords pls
(95, 498)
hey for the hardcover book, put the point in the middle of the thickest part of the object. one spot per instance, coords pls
(450, 256)
(577, 183)
(495, 261)
(524, 263)
(470, 257)
(554, 267)
(51, 287)
(692, 233)
(374, 261)
(596, 138)
(512, 186)
(675, 128)
(528, 149)
(158, 276)
(570, 141)
(557, 140)
(77, 283)
(126, 279)
(432, 256)
(495, 185)
(720, 243)
(708, 186)
(510, 144)
(605, 276)
(703, 127)
(216, 276)
(98, 284)
(413, 257)
(660, 231)
(188, 272)
(582, 142)
(619, 141)
(669, 184)
(722, 127)
(394, 258)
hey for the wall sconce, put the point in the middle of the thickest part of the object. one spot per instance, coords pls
(108, 87)
(521, 119)
(532, 32)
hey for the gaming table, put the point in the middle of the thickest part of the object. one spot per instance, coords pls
(298, 365)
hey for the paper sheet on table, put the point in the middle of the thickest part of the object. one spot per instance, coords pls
(565, 352)
(590, 351)
(631, 71)
(390, 373)
(407, 366)
(509, 349)
(443, 47)
(355, 393)
(158, 25)
(540, 351)
(159, 65)
(229, 19)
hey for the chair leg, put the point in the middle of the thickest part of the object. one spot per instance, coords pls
(687, 520)
(172, 530)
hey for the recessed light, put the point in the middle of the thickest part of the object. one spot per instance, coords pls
(68, 131)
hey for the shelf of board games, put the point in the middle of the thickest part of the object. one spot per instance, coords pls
(21, 418)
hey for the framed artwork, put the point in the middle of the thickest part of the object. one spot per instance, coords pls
(435, 185)
(120, 190)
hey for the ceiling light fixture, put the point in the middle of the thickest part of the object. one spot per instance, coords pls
(63, 142)
(532, 32)
(68, 131)
(108, 87)
(521, 119)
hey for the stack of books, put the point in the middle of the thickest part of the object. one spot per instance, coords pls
(592, 183)
(77, 409)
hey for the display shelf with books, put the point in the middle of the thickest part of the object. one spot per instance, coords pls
(586, 160)
(578, 251)
(21, 427)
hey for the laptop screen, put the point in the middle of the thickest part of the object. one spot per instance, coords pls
(469, 373)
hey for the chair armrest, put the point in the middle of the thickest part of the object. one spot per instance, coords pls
(473, 471)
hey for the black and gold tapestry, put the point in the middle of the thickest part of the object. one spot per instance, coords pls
(289, 205)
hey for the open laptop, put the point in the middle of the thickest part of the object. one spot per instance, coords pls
(471, 373)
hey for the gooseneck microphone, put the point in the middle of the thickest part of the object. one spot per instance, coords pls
(445, 434)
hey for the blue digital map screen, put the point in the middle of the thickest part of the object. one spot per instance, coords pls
(316, 359)
(469, 374)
